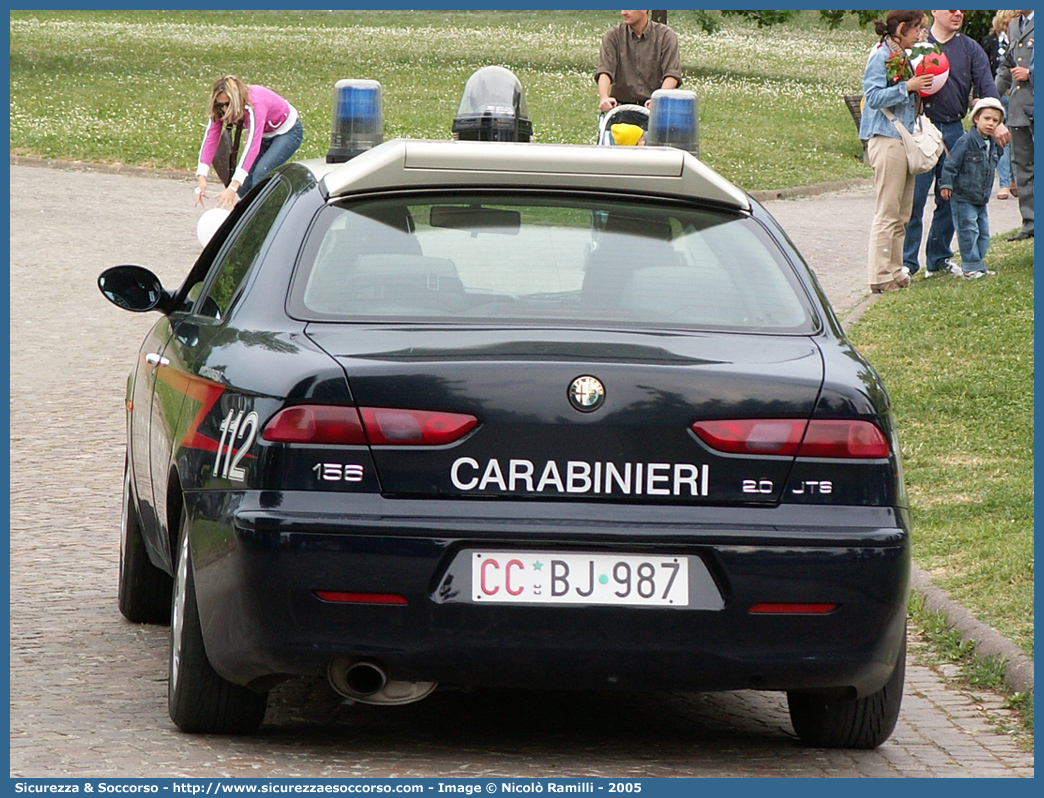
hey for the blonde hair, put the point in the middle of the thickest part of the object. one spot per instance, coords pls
(238, 99)
(1001, 20)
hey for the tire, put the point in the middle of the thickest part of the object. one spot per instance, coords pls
(145, 590)
(201, 701)
(825, 722)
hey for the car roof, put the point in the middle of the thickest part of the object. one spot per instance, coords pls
(416, 164)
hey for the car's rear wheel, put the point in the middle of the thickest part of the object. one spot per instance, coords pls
(866, 722)
(201, 701)
(144, 592)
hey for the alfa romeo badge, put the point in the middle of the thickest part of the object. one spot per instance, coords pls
(586, 393)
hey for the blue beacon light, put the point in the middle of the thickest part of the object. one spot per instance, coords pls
(674, 120)
(358, 119)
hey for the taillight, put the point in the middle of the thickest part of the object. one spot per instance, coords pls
(316, 424)
(379, 426)
(820, 438)
(752, 436)
(849, 439)
(388, 427)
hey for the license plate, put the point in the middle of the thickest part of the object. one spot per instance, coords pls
(545, 577)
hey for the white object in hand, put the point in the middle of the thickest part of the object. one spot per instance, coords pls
(208, 224)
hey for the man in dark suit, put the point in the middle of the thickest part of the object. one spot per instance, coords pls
(1015, 78)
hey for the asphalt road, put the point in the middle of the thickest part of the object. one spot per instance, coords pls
(88, 689)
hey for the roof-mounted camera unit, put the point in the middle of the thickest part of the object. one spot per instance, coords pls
(493, 108)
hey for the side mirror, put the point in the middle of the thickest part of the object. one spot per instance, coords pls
(134, 288)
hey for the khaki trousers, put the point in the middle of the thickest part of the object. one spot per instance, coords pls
(894, 186)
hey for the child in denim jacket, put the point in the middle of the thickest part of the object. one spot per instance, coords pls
(967, 181)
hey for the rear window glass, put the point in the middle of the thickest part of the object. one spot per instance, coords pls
(545, 260)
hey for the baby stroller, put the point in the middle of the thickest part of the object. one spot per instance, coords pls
(636, 115)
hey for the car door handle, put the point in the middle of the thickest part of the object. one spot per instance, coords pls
(156, 360)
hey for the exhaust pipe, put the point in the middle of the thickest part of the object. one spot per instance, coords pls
(364, 679)
(367, 683)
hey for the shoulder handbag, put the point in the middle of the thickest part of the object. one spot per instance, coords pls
(227, 153)
(923, 147)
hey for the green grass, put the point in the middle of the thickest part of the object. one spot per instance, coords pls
(957, 359)
(131, 86)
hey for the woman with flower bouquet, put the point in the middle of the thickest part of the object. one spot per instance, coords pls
(889, 82)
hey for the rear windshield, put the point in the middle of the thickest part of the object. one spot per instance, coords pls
(543, 260)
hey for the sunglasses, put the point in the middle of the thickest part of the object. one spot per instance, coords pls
(220, 107)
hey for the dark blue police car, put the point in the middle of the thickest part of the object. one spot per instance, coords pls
(511, 414)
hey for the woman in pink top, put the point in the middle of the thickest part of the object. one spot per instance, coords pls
(271, 135)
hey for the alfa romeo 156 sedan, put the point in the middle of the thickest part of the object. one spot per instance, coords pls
(470, 413)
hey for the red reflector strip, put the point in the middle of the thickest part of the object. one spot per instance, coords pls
(771, 608)
(360, 598)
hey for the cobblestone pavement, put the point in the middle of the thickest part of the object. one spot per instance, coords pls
(88, 690)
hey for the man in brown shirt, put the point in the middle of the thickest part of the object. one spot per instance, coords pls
(637, 57)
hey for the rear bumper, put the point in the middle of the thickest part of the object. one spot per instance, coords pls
(261, 558)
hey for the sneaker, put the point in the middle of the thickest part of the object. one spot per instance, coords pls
(952, 268)
(906, 272)
(977, 275)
